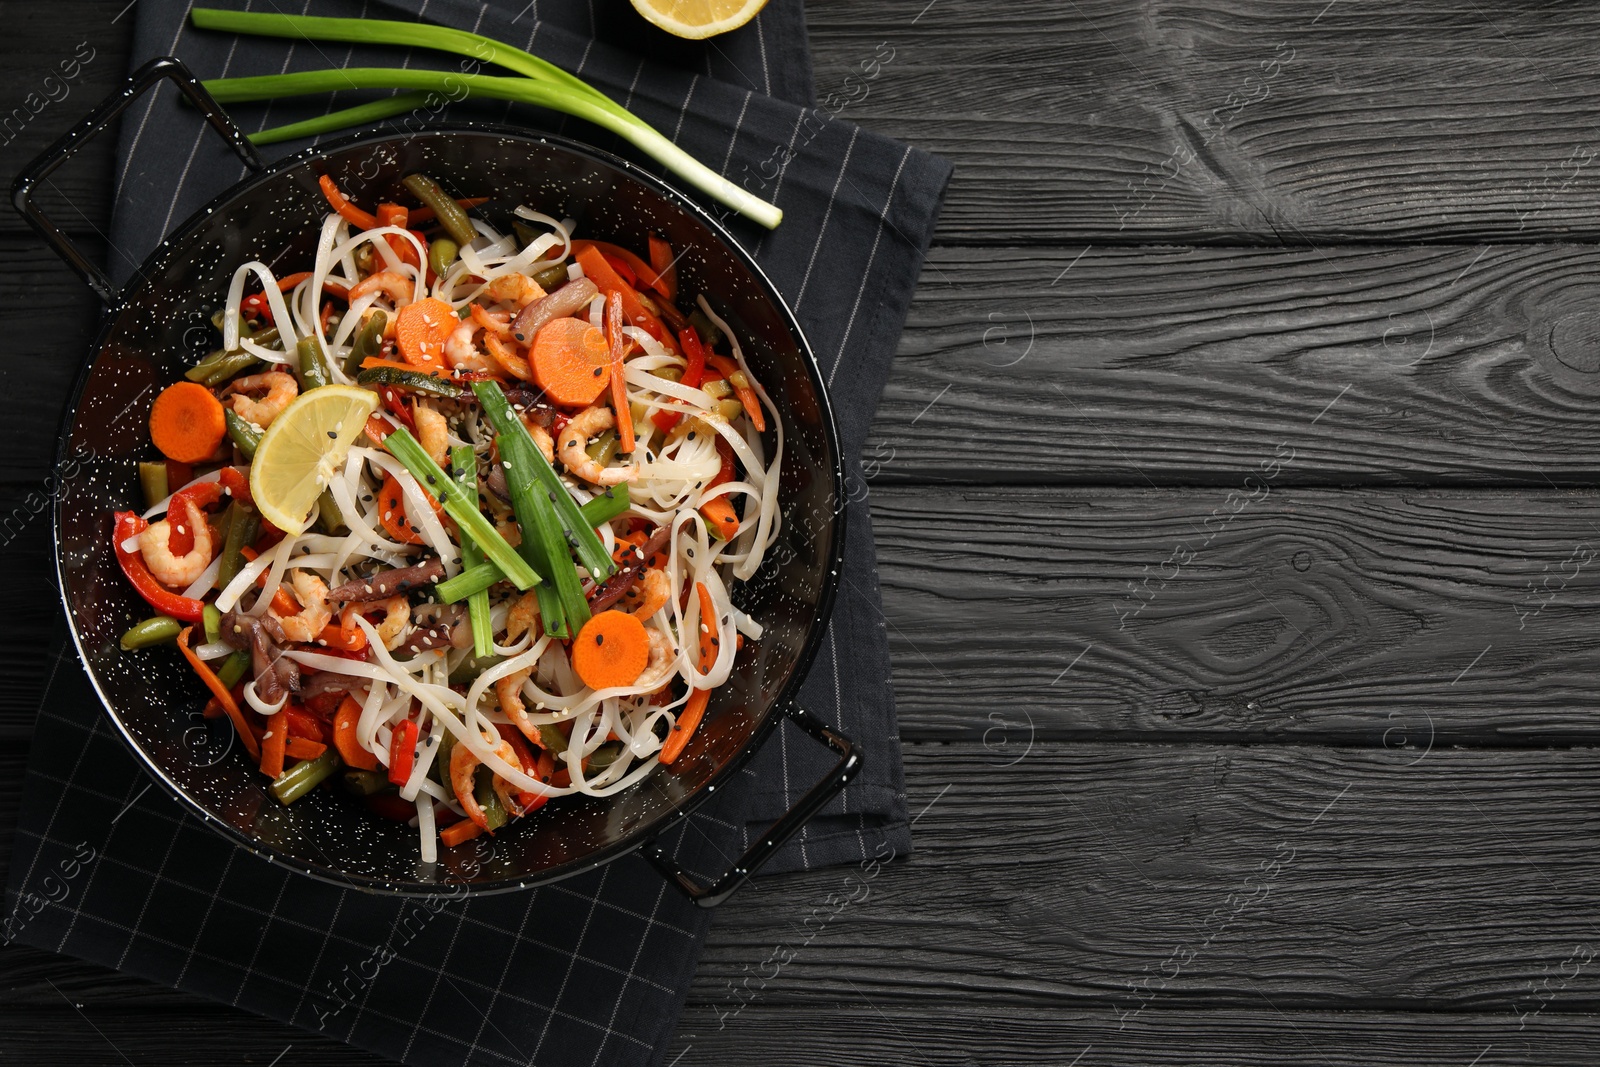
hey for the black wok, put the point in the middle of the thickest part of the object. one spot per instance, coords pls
(157, 324)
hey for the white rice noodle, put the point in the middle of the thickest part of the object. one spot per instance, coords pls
(429, 848)
(208, 578)
(280, 313)
(255, 701)
(160, 506)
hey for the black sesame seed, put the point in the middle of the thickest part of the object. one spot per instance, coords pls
(597, 371)
(599, 639)
(332, 436)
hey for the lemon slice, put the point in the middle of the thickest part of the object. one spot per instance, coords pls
(302, 449)
(695, 19)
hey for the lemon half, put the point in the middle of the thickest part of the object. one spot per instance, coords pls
(302, 449)
(695, 19)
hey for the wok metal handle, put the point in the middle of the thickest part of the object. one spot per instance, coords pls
(786, 827)
(73, 141)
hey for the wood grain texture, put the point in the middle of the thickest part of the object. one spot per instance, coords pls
(1392, 618)
(1348, 879)
(965, 1034)
(1241, 120)
(1313, 881)
(1183, 365)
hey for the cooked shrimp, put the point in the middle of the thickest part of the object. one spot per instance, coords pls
(541, 437)
(522, 615)
(659, 666)
(496, 322)
(396, 619)
(396, 286)
(433, 431)
(314, 610)
(178, 571)
(516, 288)
(509, 690)
(464, 764)
(280, 389)
(461, 353)
(575, 438)
(653, 593)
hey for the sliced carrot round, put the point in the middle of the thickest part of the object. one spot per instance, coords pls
(571, 362)
(392, 512)
(611, 650)
(421, 329)
(187, 423)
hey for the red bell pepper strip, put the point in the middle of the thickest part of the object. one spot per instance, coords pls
(255, 306)
(180, 538)
(402, 752)
(693, 375)
(129, 525)
(237, 484)
(527, 800)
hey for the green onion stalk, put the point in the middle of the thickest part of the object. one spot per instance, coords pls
(541, 84)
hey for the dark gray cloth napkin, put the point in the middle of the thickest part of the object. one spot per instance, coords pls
(593, 969)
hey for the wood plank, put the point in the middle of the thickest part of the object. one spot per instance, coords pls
(1318, 879)
(1404, 364)
(1232, 120)
(1375, 618)
(1042, 890)
(963, 1032)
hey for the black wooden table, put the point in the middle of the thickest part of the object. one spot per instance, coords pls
(1235, 506)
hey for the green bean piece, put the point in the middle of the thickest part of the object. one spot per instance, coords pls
(703, 326)
(230, 366)
(314, 373)
(554, 740)
(304, 776)
(440, 771)
(494, 812)
(602, 448)
(153, 480)
(219, 366)
(465, 463)
(605, 756)
(211, 618)
(242, 524)
(329, 517)
(471, 667)
(441, 253)
(245, 436)
(368, 342)
(552, 277)
(233, 669)
(446, 210)
(160, 630)
(366, 783)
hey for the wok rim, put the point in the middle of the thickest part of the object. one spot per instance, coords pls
(772, 711)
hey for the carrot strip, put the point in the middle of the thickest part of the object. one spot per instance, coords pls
(693, 711)
(220, 691)
(619, 388)
(597, 270)
(303, 748)
(274, 743)
(283, 603)
(459, 833)
(344, 737)
(341, 203)
(666, 269)
(647, 273)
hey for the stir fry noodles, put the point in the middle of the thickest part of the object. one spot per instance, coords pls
(451, 518)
